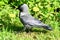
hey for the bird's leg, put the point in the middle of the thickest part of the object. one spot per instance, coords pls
(24, 29)
(28, 28)
(31, 28)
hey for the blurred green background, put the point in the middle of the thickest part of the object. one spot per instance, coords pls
(44, 10)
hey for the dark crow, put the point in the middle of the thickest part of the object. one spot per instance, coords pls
(29, 21)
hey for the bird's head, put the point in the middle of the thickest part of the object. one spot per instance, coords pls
(23, 8)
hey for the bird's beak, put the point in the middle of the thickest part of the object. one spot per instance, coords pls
(18, 7)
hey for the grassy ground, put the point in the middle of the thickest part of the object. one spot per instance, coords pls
(15, 33)
(35, 35)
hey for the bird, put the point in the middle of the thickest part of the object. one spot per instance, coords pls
(28, 20)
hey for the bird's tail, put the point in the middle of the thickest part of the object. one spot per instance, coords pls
(45, 26)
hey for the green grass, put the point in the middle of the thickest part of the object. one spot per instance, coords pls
(35, 35)
(15, 33)
(11, 27)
